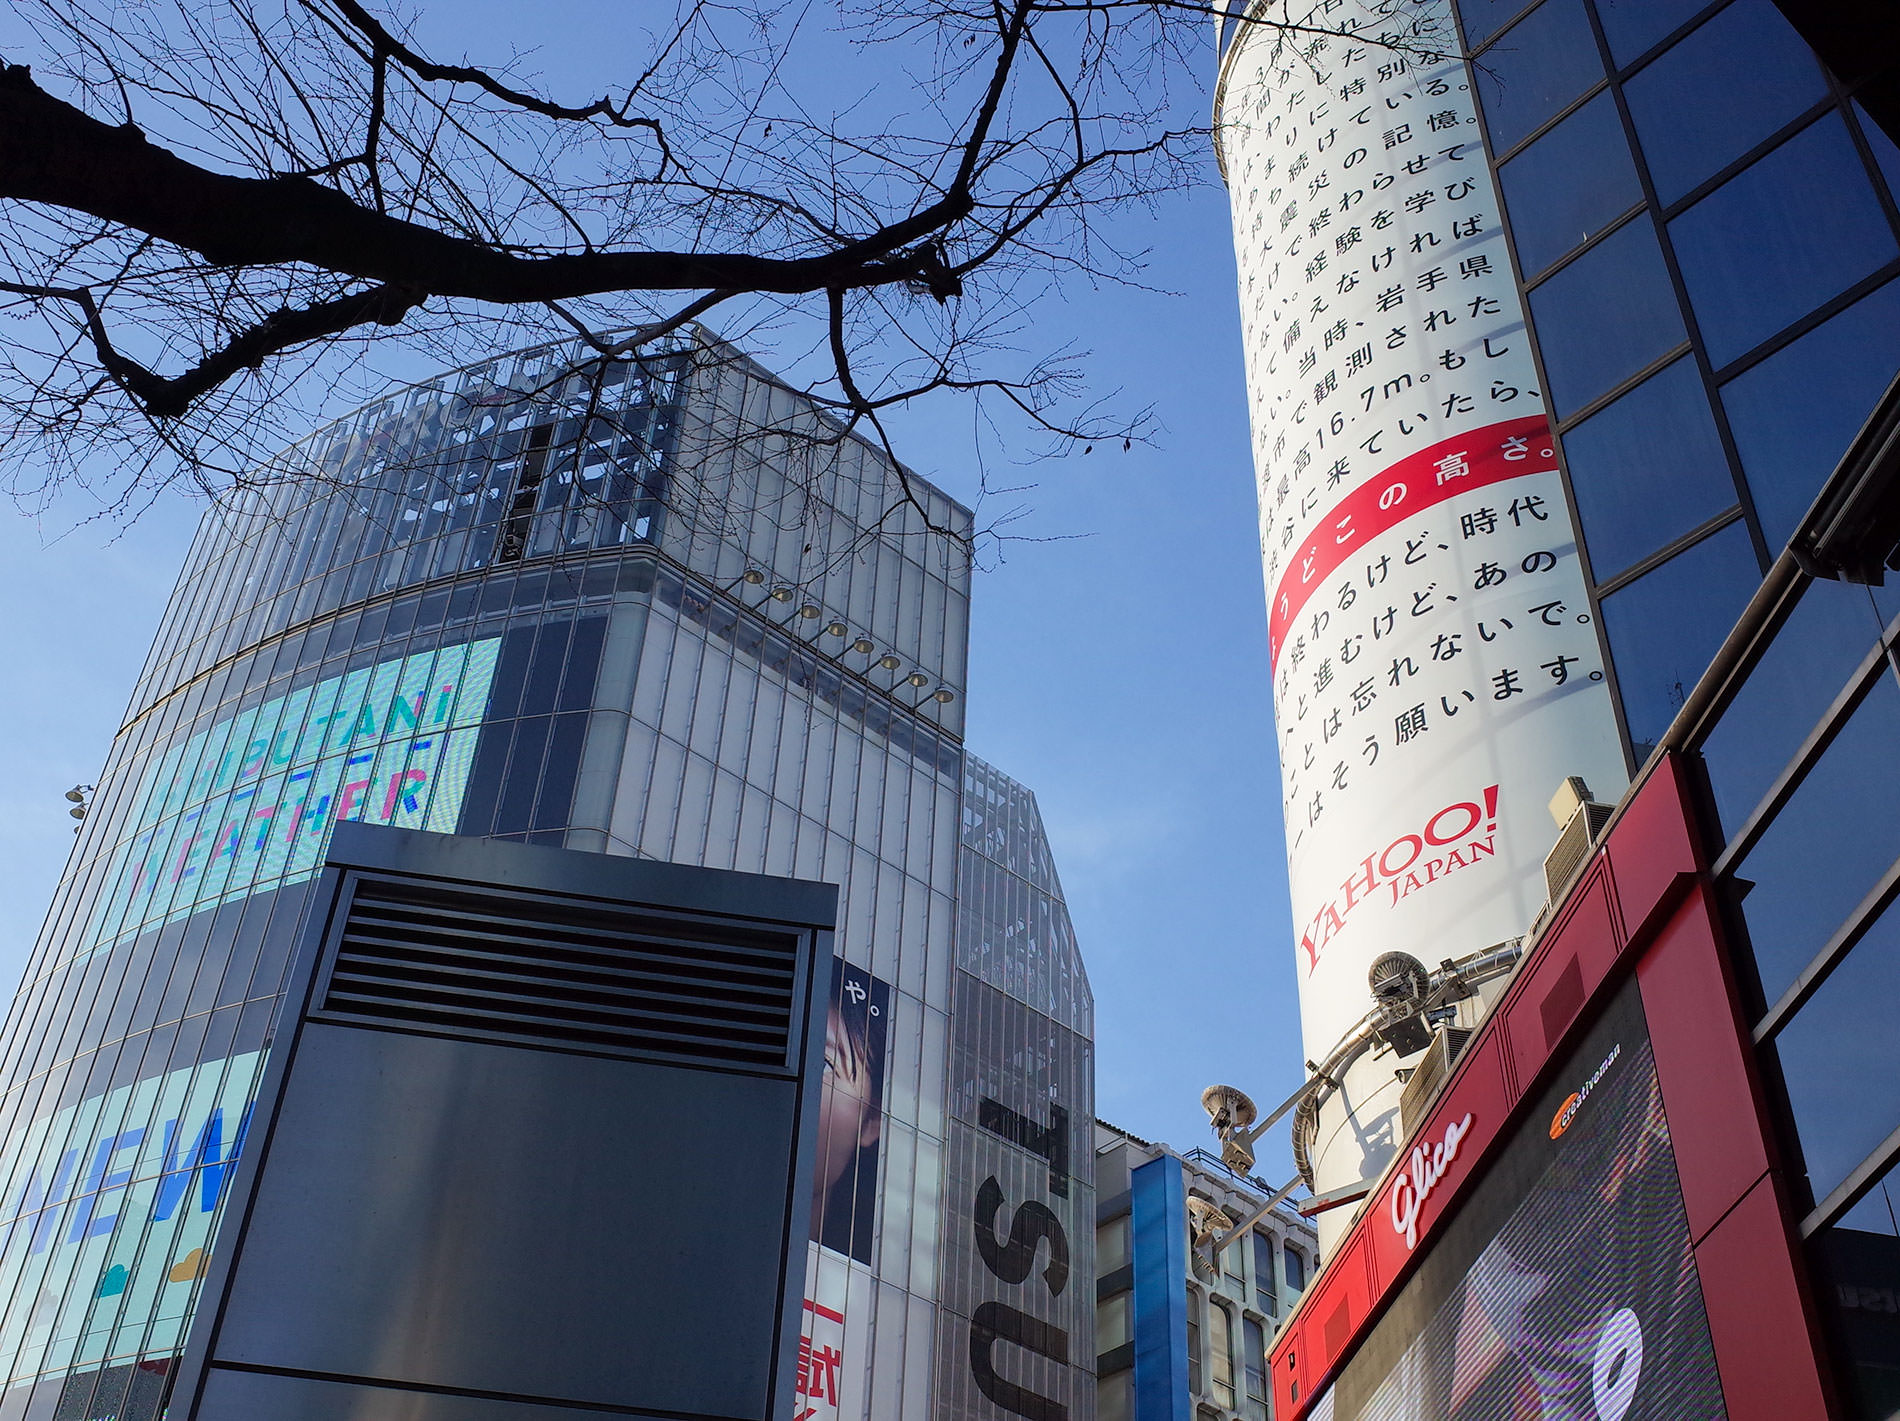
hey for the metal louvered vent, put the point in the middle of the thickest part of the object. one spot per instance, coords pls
(567, 973)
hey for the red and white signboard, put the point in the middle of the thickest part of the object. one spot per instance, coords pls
(821, 1356)
(1436, 671)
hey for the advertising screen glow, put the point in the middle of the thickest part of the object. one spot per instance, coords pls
(251, 800)
(1564, 1289)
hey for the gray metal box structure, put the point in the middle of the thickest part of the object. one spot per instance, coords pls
(475, 1187)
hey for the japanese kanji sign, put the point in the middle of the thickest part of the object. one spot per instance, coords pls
(1436, 668)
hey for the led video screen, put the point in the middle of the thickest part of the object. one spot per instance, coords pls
(1565, 1288)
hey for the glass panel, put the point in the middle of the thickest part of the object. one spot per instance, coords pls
(1886, 155)
(1111, 1246)
(1536, 67)
(1664, 627)
(1831, 841)
(1804, 668)
(1266, 1296)
(1113, 1322)
(1569, 185)
(1194, 1342)
(1256, 1359)
(1718, 92)
(1220, 1351)
(1605, 316)
(1633, 26)
(1794, 414)
(1858, 1263)
(1647, 469)
(1484, 18)
(1295, 1269)
(1781, 237)
(1837, 1060)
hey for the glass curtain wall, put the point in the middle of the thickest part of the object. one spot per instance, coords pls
(663, 607)
(1706, 231)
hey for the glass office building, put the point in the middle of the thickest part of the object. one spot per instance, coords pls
(1702, 224)
(663, 607)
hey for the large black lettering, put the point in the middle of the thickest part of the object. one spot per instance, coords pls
(1013, 1261)
(998, 1322)
(1050, 1142)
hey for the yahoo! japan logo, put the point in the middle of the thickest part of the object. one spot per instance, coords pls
(1448, 841)
(1420, 1177)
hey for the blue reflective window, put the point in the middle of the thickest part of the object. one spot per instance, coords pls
(1484, 18)
(1830, 630)
(1605, 316)
(1836, 835)
(1647, 469)
(1886, 155)
(1665, 626)
(1794, 414)
(1837, 1058)
(1857, 1260)
(1779, 238)
(1537, 66)
(1569, 185)
(1633, 26)
(1719, 91)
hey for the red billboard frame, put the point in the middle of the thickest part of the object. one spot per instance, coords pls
(1645, 904)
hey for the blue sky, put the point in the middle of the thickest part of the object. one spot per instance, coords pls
(1118, 668)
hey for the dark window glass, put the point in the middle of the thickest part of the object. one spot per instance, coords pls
(556, 801)
(1484, 18)
(1633, 26)
(483, 792)
(1648, 469)
(1806, 666)
(1857, 1260)
(1886, 155)
(1664, 627)
(544, 671)
(1295, 1269)
(1837, 1059)
(1779, 238)
(1794, 414)
(1718, 92)
(1569, 185)
(515, 813)
(1836, 835)
(1194, 1342)
(1605, 316)
(1537, 66)
(1256, 1357)
(1266, 1296)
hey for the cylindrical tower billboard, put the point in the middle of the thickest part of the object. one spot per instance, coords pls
(1436, 671)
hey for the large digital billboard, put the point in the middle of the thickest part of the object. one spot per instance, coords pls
(250, 800)
(1564, 1289)
(107, 1212)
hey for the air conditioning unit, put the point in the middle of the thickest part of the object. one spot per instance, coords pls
(1428, 1074)
(1581, 820)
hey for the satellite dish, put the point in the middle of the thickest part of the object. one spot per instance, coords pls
(1209, 1220)
(1398, 978)
(1229, 1107)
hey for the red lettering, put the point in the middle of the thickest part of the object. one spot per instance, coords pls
(1393, 871)
(1434, 838)
(1360, 884)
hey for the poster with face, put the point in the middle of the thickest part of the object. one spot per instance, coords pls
(850, 1112)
